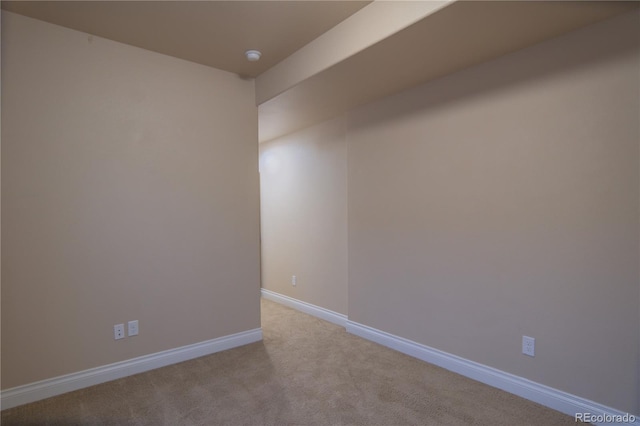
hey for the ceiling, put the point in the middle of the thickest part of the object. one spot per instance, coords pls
(213, 33)
(321, 58)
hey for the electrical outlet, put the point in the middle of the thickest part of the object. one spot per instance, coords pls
(294, 280)
(118, 331)
(528, 345)
(133, 328)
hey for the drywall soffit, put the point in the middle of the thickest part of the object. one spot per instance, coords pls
(451, 38)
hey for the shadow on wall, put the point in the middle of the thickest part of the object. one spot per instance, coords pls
(535, 63)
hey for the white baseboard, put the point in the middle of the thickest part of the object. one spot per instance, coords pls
(553, 398)
(58, 385)
(307, 308)
(544, 395)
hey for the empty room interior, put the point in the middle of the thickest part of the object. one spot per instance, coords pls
(457, 181)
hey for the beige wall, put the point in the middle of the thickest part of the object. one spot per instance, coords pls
(129, 191)
(303, 190)
(502, 201)
(373, 23)
(497, 202)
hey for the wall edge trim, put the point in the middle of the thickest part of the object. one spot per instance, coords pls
(547, 396)
(555, 399)
(36, 391)
(307, 308)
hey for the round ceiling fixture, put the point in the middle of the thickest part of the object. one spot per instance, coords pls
(252, 55)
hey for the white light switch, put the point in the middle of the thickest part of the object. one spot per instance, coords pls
(133, 328)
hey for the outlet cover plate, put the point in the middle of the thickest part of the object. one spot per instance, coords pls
(118, 331)
(528, 345)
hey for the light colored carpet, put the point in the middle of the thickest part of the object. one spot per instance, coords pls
(305, 372)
